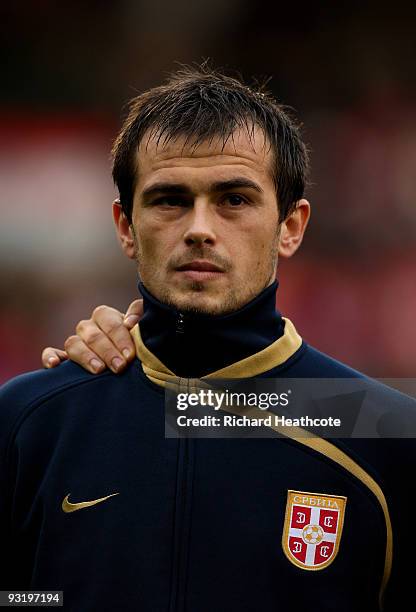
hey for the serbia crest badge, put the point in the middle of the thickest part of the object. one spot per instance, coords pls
(313, 528)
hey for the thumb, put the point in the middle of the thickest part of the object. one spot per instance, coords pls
(134, 314)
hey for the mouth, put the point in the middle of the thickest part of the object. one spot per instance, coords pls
(200, 270)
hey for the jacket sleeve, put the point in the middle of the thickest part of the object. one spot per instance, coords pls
(401, 497)
(11, 411)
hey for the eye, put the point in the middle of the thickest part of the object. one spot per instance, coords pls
(170, 201)
(234, 200)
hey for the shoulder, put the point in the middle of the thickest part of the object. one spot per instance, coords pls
(308, 362)
(67, 385)
(319, 365)
(21, 394)
(377, 408)
(36, 386)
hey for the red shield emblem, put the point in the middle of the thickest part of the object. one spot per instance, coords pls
(313, 528)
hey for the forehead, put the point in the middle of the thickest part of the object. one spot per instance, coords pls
(245, 154)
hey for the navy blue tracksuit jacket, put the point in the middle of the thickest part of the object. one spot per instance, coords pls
(192, 525)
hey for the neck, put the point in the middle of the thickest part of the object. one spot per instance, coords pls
(193, 345)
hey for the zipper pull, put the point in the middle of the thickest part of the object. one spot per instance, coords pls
(180, 323)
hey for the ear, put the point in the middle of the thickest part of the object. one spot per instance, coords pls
(293, 228)
(124, 230)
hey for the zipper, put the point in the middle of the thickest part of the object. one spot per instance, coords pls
(180, 323)
(182, 526)
(183, 503)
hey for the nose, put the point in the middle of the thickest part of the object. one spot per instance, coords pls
(200, 228)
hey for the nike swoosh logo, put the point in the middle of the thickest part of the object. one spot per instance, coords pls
(67, 506)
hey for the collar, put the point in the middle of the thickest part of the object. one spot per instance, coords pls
(240, 344)
(272, 356)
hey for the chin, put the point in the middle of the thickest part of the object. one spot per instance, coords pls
(200, 298)
(200, 302)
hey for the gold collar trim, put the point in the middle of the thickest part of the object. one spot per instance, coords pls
(272, 356)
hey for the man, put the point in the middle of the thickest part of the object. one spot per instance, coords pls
(96, 502)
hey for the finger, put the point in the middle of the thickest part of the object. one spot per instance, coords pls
(79, 352)
(134, 314)
(110, 321)
(51, 357)
(100, 342)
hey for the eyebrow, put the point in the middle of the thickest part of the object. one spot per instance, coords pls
(219, 186)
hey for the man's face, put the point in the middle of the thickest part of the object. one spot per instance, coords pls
(205, 222)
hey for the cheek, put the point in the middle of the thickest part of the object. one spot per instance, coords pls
(154, 247)
(255, 246)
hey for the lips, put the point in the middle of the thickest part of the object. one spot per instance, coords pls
(199, 266)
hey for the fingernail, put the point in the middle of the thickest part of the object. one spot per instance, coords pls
(116, 362)
(96, 365)
(52, 361)
(131, 320)
(127, 353)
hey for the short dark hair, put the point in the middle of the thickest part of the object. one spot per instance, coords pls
(200, 103)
